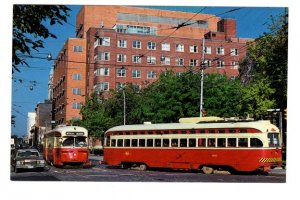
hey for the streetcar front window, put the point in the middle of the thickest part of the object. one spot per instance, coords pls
(75, 141)
(273, 139)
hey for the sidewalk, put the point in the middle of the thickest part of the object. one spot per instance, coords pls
(95, 159)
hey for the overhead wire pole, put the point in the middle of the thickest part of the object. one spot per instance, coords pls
(202, 78)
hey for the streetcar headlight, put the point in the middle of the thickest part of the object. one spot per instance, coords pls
(18, 162)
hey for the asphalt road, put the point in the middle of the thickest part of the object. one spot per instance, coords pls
(102, 173)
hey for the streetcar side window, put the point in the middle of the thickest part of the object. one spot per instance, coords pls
(134, 142)
(174, 142)
(120, 143)
(157, 142)
(255, 142)
(149, 142)
(231, 142)
(192, 142)
(183, 142)
(243, 142)
(113, 142)
(273, 139)
(142, 142)
(211, 142)
(127, 143)
(201, 142)
(166, 142)
(221, 142)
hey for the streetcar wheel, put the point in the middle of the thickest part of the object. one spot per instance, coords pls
(207, 170)
(143, 167)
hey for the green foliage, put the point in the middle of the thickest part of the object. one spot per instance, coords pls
(29, 28)
(267, 59)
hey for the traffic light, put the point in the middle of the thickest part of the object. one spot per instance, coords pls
(285, 114)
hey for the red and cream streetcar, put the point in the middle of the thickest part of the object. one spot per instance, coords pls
(230, 145)
(66, 145)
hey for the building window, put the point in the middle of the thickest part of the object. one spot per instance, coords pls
(220, 51)
(220, 63)
(120, 86)
(76, 105)
(102, 86)
(136, 44)
(77, 49)
(234, 52)
(104, 56)
(136, 73)
(76, 91)
(165, 47)
(151, 74)
(207, 50)
(151, 60)
(234, 65)
(121, 72)
(121, 58)
(102, 41)
(151, 46)
(179, 61)
(103, 71)
(179, 73)
(136, 59)
(122, 43)
(179, 47)
(193, 49)
(76, 77)
(193, 62)
(165, 61)
(136, 87)
(207, 63)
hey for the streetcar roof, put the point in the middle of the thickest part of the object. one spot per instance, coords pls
(262, 125)
(64, 129)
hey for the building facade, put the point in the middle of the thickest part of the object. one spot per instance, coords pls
(119, 45)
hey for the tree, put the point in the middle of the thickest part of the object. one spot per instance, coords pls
(267, 60)
(29, 30)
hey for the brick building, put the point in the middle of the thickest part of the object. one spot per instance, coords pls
(116, 45)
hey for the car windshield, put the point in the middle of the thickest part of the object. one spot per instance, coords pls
(28, 154)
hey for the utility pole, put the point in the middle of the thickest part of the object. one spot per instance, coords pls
(124, 106)
(202, 77)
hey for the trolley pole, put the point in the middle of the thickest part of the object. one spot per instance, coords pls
(202, 77)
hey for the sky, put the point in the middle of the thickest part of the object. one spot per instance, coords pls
(30, 87)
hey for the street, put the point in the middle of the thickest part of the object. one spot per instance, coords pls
(103, 173)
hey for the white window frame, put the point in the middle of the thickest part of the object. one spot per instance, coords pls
(165, 47)
(151, 45)
(121, 57)
(136, 73)
(179, 62)
(104, 56)
(102, 86)
(207, 50)
(193, 63)
(151, 74)
(102, 71)
(166, 61)
(77, 77)
(136, 44)
(220, 63)
(151, 60)
(234, 52)
(235, 65)
(220, 51)
(121, 72)
(179, 47)
(102, 41)
(76, 91)
(136, 59)
(76, 105)
(77, 48)
(193, 49)
(122, 43)
(208, 63)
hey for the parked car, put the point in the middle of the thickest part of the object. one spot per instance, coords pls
(27, 159)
